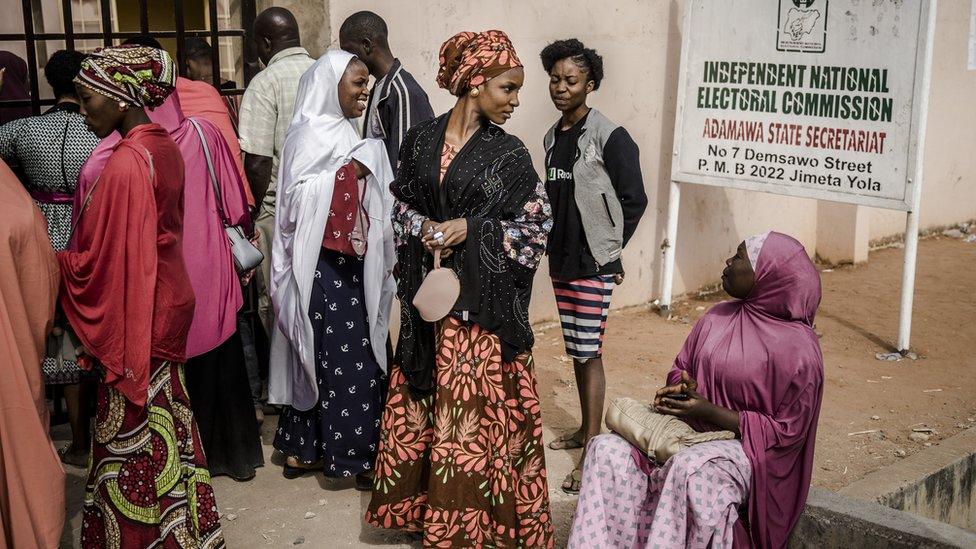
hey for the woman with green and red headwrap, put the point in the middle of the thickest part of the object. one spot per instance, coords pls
(460, 456)
(126, 293)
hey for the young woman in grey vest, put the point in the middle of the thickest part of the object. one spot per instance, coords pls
(595, 186)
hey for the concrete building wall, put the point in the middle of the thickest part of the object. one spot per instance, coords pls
(949, 185)
(313, 21)
(641, 42)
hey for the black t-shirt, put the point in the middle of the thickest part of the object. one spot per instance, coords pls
(569, 254)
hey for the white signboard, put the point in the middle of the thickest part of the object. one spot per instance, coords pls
(813, 98)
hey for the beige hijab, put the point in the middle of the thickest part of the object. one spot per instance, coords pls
(31, 476)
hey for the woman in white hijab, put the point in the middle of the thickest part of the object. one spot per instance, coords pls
(331, 286)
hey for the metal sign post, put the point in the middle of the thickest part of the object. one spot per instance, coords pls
(918, 152)
(671, 235)
(807, 99)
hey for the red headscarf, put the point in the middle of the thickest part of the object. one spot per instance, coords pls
(137, 75)
(469, 59)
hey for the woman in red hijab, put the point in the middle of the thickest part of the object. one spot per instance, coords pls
(125, 292)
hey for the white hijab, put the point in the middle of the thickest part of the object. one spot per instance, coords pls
(754, 245)
(319, 141)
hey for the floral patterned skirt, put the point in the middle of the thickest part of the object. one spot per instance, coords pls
(465, 464)
(148, 482)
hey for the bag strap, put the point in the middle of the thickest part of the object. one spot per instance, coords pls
(437, 258)
(84, 206)
(210, 170)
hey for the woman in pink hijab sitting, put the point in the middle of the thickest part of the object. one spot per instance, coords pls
(752, 366)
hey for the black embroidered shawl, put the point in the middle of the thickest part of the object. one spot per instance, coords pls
(492, 184)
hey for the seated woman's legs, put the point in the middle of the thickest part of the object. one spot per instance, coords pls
(611, 510)
(690, 501)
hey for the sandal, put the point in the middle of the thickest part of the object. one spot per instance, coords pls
(364, 482)
(575, 479)
(567, 442)
(70, 458)
(292, 472)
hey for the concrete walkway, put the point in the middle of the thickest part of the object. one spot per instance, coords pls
(270, 510)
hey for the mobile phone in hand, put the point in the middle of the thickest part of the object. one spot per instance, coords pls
(677, 396)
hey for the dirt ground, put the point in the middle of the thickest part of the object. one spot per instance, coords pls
(858, 318)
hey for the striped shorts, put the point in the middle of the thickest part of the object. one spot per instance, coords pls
(583, 305)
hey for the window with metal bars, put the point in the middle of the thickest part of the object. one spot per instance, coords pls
(44, 26)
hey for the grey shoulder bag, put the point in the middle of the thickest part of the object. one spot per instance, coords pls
(246, 255)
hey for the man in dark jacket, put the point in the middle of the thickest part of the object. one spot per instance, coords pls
(396, 102)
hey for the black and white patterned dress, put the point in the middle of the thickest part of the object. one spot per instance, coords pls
(48, 152)
(342, 430)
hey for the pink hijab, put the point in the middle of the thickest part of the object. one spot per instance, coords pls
(760, 357)
(205, 248)
(201, 100)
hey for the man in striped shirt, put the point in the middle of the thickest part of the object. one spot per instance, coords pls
(396, 102)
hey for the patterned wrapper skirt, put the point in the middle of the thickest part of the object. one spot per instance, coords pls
(148, 482)
(691, 501)
(465, 464)
(583, 306)
(342, 430)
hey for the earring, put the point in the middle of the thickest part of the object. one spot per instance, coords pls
(475, 92)
(123, 106)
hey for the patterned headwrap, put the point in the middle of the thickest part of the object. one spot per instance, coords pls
(133, 74)
(469, 59)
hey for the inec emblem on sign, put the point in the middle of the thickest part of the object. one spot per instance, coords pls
(802, 26)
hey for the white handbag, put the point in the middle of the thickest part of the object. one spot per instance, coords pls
(659, 436)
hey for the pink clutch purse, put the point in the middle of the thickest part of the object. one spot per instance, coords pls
(438, 293)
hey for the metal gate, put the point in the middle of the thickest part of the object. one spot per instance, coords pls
(108, 37)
